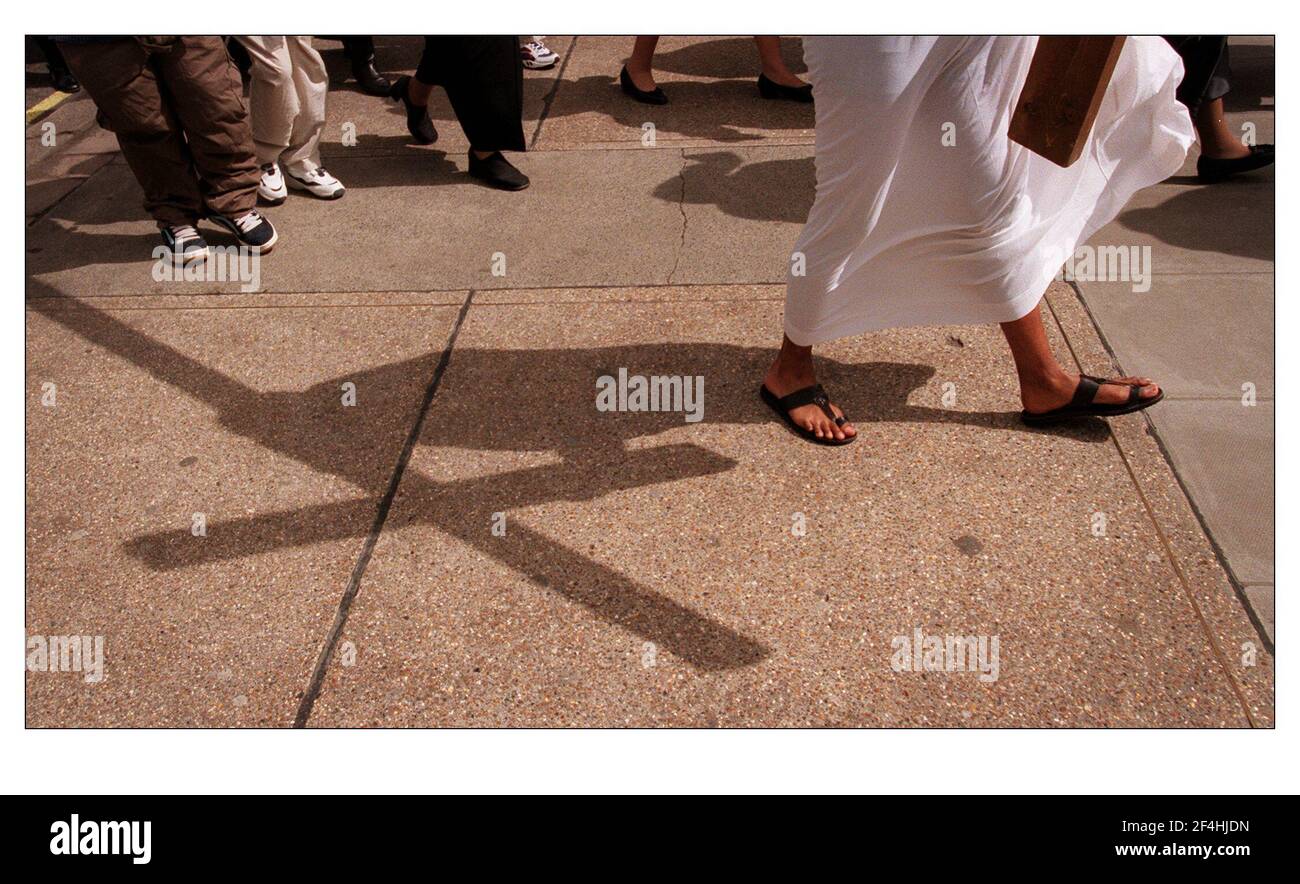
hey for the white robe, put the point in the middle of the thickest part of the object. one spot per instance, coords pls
(907, 230)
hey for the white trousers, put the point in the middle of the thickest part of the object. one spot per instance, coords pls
(287, 101)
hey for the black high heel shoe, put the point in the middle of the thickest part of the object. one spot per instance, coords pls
(629, 88)
(769, 89)
(417, 117)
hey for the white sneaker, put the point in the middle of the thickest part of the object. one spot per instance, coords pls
(537, 55)
(317, 182)
(271, 188)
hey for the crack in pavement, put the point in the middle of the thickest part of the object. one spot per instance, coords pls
(681, 207)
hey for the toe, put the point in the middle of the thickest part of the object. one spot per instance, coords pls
(846, 429)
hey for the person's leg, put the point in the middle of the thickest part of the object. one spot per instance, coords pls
(273, 101)
(125, 88)
(484, 79)
(418, 91)
(773, 66)
(413, 93)
(1204, 83)
(60, 76)
(428, 72)
(640, 67)
(859, 84)
(1217, 138)
(793, 370)
(205, 92)
(310, 85)
(1044, 384)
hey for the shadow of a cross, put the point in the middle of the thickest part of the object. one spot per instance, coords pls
(311, 427)
(510, 400)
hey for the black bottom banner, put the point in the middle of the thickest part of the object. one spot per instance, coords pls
(329, 833)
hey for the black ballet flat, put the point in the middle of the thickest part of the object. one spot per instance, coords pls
(417, 118)
(1211, 171)
(629, 88)
(768, 89)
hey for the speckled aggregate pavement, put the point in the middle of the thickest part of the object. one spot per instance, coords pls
(468, 541)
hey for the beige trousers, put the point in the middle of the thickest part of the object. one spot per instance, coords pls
(287, 101)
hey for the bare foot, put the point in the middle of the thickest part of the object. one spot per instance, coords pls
(1043, 395)
(793, 370)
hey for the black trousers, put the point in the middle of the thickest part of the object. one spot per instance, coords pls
(53, 57)
(358, 48)
(1205, 68)
(484, 79)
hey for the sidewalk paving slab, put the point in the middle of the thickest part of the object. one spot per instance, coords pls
(234, 413)
(1225, 454)
(1176, 527)
(417, 221)
(62, 151)
(1199, 335)
(1191, 228)
(713, 98)
(649, 575)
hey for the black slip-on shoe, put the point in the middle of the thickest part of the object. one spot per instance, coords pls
(496, 171)
(769, 89)
(1210, 170)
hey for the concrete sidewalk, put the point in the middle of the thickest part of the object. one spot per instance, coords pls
(650, 570)
(1205, 329)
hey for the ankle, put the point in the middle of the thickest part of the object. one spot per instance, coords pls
(414, 96)
(793, 366)
(1051, 378)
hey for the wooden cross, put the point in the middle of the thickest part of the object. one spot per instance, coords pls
(1063, 91)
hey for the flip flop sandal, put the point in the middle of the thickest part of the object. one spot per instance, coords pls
(1083, 406)
(813, 395)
